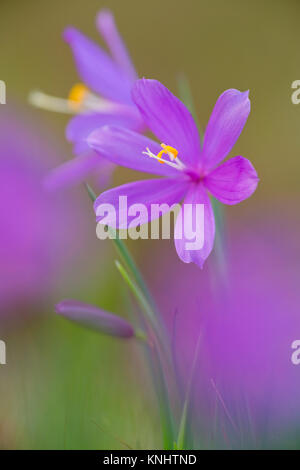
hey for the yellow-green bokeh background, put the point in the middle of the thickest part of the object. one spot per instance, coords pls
(67, 388)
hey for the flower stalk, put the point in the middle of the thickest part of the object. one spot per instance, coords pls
(155, 351)
(156, 363)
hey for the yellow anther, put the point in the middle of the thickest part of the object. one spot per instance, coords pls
(171, 153)
(168, 149)
(76, 96)
(159, 155)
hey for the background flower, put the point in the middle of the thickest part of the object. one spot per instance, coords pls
(245, 319)
(36, 228)
(104, 98)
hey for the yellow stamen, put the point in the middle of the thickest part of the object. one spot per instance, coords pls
(171, 153)
(76, 96)
(159, 155)
(166, 149)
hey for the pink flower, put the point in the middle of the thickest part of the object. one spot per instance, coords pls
(190, 169)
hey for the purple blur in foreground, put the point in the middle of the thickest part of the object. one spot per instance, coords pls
(103, 99)
(36, 228)
(189, 168)
(246, 388)
(95, 318)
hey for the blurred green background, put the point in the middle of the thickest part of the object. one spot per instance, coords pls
(68, 388)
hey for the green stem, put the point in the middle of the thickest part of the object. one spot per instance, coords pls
(164, 406)
(180, 444)
(186, 97)
(126, 256)
(181, 439)
(144, 304)
(129, 262)
(157, 372)
(144, 298)
(220, 241)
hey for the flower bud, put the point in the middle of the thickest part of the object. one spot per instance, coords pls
(95, 318)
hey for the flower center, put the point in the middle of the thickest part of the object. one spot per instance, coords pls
(77, 95)
(170, 152)
(80, 99)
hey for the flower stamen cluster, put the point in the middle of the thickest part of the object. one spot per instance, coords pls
(171, 152)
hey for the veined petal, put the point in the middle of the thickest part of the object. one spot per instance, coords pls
(95, 318)
(224, 127)
(189, 219)
(233, 181)
(80, 126)
(168, 119)
(107, 27)
(73, 171)
(125, 148)
(96, 69)
(164, 191)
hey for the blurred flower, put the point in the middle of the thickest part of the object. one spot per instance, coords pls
(104, 98)
(36, 228)
(190, 169)
(246, 389)
(95, 318)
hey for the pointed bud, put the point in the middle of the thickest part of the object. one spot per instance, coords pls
(95, 318)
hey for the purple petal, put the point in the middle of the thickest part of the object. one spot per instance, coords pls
(233, 181)
(224, 127)
(188, 218)
(165, 191)
(95, 318)
(73, 171)
(125, 148)
(168, 119)
(81, 147)
(107, 27)
(96, 69)
(82, 125)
